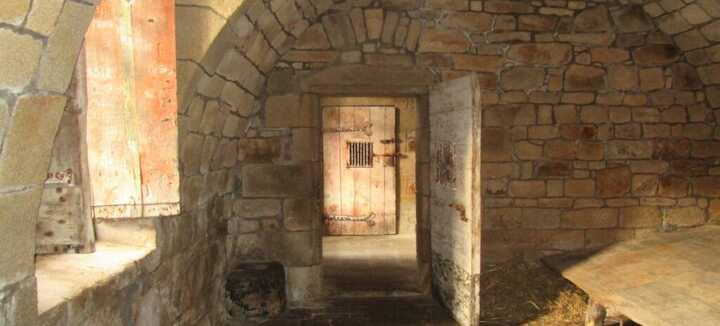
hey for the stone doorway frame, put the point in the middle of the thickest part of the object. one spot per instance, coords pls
(417, 103)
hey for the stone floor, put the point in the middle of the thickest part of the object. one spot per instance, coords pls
(370, 266)
(369, 280)
(385, 311)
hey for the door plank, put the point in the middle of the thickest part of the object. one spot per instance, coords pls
(455, 206)
(359, 192)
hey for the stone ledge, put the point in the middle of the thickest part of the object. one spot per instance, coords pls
(64, 278)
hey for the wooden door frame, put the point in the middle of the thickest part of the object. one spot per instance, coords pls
(418, 103)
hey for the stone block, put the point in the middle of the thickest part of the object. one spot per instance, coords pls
(565, 114)
(447, 4)
(508, 7)
(713, 96)
(591, 151)
(509, 115)
(242, 226)
(508, 37)
(374, 22)
(530, 188)
(236, 67)
(579, 187)
(576, 132)
(590, 218)
(631, 19)
(357, 18)
(256, 208)
(413, 35)
(18, 221)
(304, 145)
(540, 218)
(528, 151)
(640, 217)
(299, 248)
(20, 59)
(19, 303)
(553, 169)
(436, 40)
(498, 170)
(304, 284)
(390, 24)
(401, 60)
(313, 38)
(614, 182)
(596, 39)
(706, 186)
(710, 74)
(706, 149)
(289, 111)
(651, 79)
(28, 142)
(541, 53)
(670, 149)
(609, 55)
(301, 215)
(264, 180)
(584, 78)
(43, 15)
(537, 23)
(690, 40)
(58, 62)
(656, 54)
(481, 63)
(672, 186)
(14, 11)
(628, 149)
(469, 21)
(561, 149)
(593, 19)
(645, 184)
(311, 56)
(496, 145)
(694, 14)
(622, 77)
(712, 7)
(594, 114)
(685, 216)
(260, 149)
(673, 23)
(522, 78)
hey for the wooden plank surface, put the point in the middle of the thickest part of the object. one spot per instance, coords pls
(359, 192)
(661, 280)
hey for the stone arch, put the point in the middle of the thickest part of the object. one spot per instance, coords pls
(694, 30)
(549, 73)
(42, 42)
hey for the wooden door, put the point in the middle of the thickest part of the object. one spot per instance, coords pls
(359, 159)
(455, 206)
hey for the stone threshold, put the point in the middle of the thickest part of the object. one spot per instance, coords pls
(61, 279)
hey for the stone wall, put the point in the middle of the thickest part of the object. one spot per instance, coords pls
(42, 39)
(181, 282)
(581, 101)
(597, 126)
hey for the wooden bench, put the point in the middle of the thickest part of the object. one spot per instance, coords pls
(663, 279)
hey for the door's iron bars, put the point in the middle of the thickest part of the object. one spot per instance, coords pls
(369, 219)
(360, 154)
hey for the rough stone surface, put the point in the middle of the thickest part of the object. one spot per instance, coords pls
(608, 125)
(20, 59)
(584, 78)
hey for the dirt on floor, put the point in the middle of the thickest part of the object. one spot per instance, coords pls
(521, 293)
